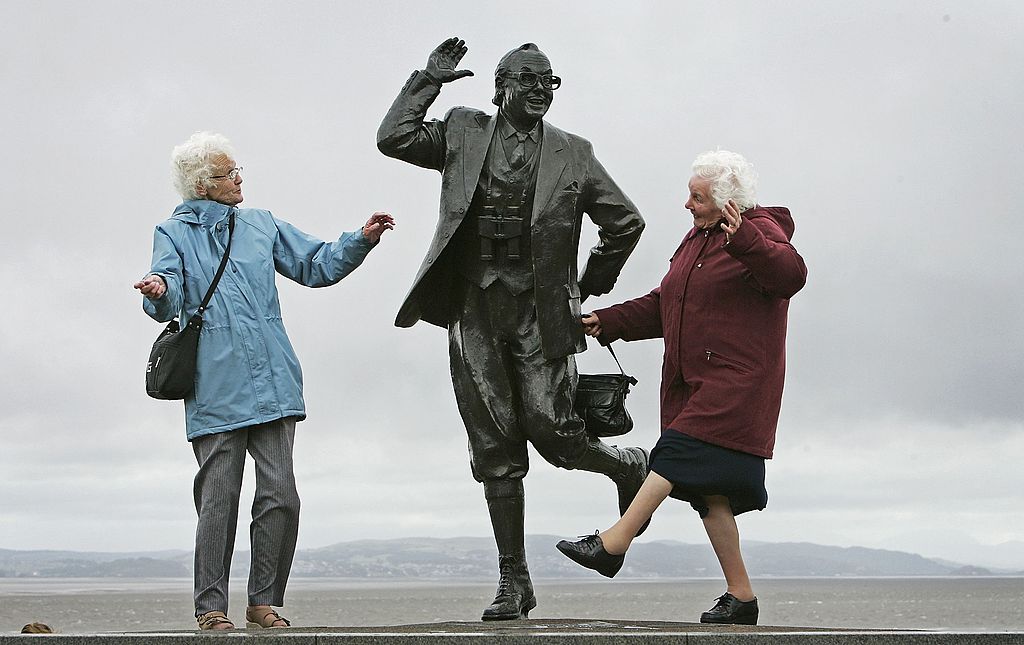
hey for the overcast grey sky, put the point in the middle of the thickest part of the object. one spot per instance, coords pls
(891, 129)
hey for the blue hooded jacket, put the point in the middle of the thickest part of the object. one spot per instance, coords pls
(246, 370)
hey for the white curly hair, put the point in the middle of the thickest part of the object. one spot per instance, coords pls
(192, 162)
(732, 177)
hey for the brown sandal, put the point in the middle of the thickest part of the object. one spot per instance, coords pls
(213, 620)
(265, 617)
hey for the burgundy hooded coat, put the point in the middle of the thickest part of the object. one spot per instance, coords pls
(721, 309)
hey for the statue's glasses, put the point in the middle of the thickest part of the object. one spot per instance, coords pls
(231, 174)
(529, 79)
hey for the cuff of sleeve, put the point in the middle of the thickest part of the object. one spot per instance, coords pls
(158, 308)
(587, 289)
(360, 238)
(742, 240)
(430, 78)
(609, 326)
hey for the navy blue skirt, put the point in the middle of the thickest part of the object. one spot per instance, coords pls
(696, 469)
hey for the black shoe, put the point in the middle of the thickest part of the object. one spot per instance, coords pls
(589, 552)
(514, 598)
(730, 611)
(635, 462)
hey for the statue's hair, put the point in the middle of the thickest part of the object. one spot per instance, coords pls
(192, 162)
(503, 67)
(732, 177)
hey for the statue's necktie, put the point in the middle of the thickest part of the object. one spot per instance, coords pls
(518, 157)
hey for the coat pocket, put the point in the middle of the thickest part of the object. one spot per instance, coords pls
(573, 293)
(721, 360)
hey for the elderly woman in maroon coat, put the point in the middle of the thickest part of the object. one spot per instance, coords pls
(721, 309)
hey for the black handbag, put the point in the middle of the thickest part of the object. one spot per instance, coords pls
(171, 370)
(601, 401)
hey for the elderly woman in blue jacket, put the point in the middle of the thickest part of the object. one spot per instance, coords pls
(248, 385)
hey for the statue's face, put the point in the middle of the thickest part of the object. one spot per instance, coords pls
(527, 105)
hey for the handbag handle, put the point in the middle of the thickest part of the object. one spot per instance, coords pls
(621, 371)
(220, 269)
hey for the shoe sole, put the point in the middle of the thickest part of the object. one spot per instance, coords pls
(752, 620)
(252, 625)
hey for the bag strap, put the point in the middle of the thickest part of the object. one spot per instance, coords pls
(220, 269)
(621, 371)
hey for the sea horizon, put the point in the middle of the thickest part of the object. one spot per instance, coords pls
(470, 557)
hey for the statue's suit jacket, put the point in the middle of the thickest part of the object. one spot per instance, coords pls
(570, 182)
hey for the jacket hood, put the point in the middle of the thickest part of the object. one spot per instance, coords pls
(779, 214)
(201, 211)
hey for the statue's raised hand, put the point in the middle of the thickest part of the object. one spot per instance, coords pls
(445, 58)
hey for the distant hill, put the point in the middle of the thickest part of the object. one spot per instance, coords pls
(85, 564)
(467, 558)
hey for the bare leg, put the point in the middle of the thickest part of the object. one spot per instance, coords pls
(720, 525)
(650, 496)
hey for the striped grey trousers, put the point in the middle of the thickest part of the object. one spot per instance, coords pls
(275, 512)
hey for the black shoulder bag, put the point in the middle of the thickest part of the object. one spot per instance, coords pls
(601, 401)
(171, 370)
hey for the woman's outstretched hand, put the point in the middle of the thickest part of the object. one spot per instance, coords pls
(377, 224)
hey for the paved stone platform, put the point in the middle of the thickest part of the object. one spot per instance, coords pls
(562, 631)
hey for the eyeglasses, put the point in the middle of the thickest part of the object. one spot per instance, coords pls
(231, 174)
(529, 79)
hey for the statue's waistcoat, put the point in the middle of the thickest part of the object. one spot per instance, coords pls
(493, 242)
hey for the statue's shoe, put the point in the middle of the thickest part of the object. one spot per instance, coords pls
(514, 598)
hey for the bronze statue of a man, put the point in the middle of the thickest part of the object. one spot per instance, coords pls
(501, 276)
